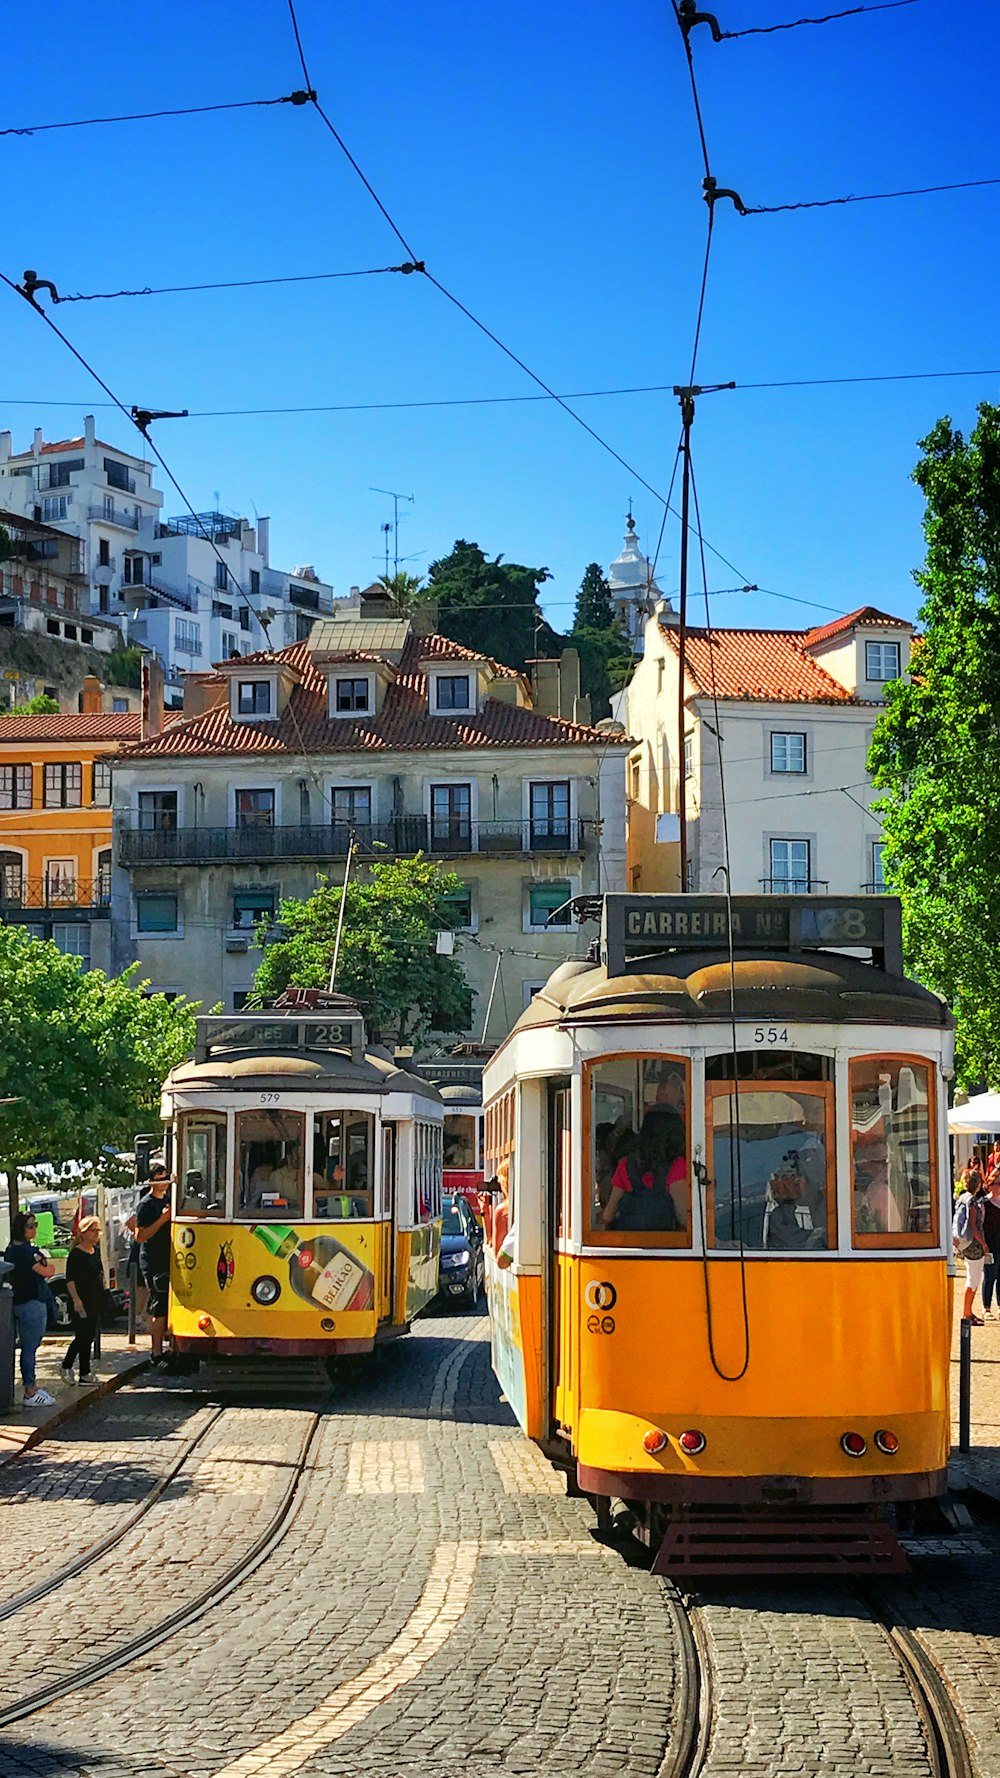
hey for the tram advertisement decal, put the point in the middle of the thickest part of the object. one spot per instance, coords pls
(257, 1265)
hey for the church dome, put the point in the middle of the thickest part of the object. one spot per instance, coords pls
(631, 572)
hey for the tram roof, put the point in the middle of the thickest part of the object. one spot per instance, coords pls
(320, 1071)
(697, 987)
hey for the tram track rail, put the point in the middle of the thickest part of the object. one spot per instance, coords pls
(261, 1549)
(686, 1755)
(947, 1745)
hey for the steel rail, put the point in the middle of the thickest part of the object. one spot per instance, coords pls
(259, 1552)
(946, 1741)
(685, 1757)
(95, 1551)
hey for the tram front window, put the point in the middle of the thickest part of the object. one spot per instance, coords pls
(640, 1189)
(460, 1144)
(269, 1164)
(201, 1189)
(892, 1153)
(343, 1144)
(771, 1166)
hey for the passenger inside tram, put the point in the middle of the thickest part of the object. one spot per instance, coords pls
(647, 1176)
(269, 1161)
(341, 1172)
(770, 1166)
(640, 1173)
(891, 1147)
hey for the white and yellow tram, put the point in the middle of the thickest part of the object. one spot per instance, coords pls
(726, 1194)
(307, 1207)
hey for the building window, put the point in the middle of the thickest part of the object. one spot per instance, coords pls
(254, 583)
(73, 939)
(453, 692)
(221, 575)
(451, 817)
(244, 617)
(118, 476)
(230, 644)
(635, 776)
(109, 508)
(187, 636)
(253, 697)
(459, 907)
(103, 552)
(102, 784)
(135, 570)
(351, 807)
(102, 885)
(59, 473)
(788, 753)
(791, 867)
(881, 661)
(15, 787)
(251, 907)
(156, 913)
(54, 508)
(549, 898)
(11, 878)
(240, 998)
(549, 816)
(119, 706)
(351, 694)
(63, 786)
(878, 867)
(255, 808)
(688, 756)
(157, 810)
(86, 635)
(529, 990)
(60, 879)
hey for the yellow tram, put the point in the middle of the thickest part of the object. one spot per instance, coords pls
(722, 1154)
(307, 1208)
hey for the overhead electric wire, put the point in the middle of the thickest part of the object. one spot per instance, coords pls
(83, 123)
(827, 19)
(868, 197)
(232, 284)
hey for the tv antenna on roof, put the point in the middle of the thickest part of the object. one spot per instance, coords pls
(395, 498)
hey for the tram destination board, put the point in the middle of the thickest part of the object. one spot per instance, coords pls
(262, 1033)
(636, 926)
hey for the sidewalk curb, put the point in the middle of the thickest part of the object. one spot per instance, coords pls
(75, 1405)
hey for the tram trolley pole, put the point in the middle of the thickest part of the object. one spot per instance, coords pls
(965, 1387)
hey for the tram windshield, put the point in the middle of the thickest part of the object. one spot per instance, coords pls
(640, 1190)
(892, 1152)
(461, 1146)
(269, 1163)
(201, 1188)
(771, 1165)
(343, 1145)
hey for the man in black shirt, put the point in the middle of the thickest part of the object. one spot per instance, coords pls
(152, 1233)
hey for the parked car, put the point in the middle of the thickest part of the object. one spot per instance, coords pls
(462, 1273)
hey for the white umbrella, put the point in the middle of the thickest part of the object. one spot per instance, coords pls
(980, 1115)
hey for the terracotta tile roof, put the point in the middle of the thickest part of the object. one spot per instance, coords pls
(769, 666)
(442, 648)
(71, 727)
(72, 444)
(402, 726)
(865, 614)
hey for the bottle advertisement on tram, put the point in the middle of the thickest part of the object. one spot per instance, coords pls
(297, 1272)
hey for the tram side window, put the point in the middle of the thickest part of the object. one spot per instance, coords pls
(771, 1166)
(460, 1144)
(269, 1164)
(343, 1145)
(640, 1176)
(201, 1189)
(892, 1153)
(428, 1144)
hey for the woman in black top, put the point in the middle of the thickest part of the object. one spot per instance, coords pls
(31, 1269)
(85, 1281)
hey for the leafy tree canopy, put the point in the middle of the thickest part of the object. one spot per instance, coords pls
(124, 666)
(407, 591)
(83, 1054)
(936, 750)
(39, 705)
(388, 961)
(594, 610)
(492, 606)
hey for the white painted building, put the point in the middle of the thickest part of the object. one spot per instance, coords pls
(792, 713)
(634, 592)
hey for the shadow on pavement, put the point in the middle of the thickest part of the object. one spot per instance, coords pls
(40, 1759)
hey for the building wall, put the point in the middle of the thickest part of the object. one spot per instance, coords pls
(61, 852)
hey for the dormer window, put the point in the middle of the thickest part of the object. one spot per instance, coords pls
(881, 661)
(453, 691)
(254, 697)
(351, 696)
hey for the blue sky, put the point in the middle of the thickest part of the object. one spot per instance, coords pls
(544, 162)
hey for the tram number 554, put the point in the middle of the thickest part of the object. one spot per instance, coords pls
(770, 1034)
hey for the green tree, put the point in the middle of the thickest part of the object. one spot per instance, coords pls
(936, 749)
(407, 591)
(605, 665)
(594, 610)
(388, 961)
(82, 1054)
(124, 666)
(492, 606)
(39, 705)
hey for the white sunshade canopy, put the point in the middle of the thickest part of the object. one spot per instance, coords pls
(981, 1114)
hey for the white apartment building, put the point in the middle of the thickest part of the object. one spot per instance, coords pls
(792, 713)
(409, 743)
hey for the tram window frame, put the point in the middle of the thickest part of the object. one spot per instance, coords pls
(207, 1120)
(464, 1117)
(291, 1212)
(815, 1089)
(594, 1234)
(349, 1120)
(899, 1240)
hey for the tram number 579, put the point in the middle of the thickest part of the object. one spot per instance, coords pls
(770, 1034)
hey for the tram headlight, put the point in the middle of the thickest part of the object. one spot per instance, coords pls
(265, 1290)
(853, 1444)
(887, 1442)
(692, 1443)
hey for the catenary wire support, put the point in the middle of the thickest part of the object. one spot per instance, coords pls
(689, 16)
(712, 191)
(144, 416)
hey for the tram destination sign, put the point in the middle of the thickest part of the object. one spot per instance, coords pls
(258, 1032)
(637, 926)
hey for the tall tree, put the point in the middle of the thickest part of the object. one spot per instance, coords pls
(936, 749)
(407, 591)
(388, 959)
(594, 610)
(492, 606)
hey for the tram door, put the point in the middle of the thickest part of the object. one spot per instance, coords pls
(559, 1170)
(388, 1266)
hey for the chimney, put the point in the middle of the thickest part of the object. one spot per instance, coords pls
(545, 687)
(89, 442)
(4, 447)
(264, 540)
(152, 698)
(90, 696)
(38, 440)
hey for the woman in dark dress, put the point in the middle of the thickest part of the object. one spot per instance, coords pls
(85, 1282)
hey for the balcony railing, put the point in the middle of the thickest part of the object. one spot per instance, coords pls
(793, 885)
(399, 838)
(53, 895)
(118, 516)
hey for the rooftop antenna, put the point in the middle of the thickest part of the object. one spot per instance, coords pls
(395, 498)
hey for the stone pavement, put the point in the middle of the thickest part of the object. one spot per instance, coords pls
(21, 1428)
(979, 1468)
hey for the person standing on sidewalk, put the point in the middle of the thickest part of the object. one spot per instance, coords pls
(31, 1313)
(152, 1233)
(969, 1239)
(991, 1230)
(85, 1282)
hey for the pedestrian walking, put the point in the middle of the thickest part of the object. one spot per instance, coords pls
(991, 1230)
(152, 1233)
(85, 1283)
(31, 1293)
(969, 1239)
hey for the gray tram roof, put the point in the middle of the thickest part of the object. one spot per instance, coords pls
(694, 987)
(322, 1071)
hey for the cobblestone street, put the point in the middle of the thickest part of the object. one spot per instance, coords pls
(431, 1603)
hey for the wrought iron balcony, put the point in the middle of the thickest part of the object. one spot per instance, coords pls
(793, 885)
(21, 897)
(260, 842)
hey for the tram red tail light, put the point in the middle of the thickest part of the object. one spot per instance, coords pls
(887, 1442)
(204, 1324)
(654, 1442)
(692, 1443)
(853, 1444)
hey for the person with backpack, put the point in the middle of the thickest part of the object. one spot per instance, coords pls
(968, 1232)
(647, 1179)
